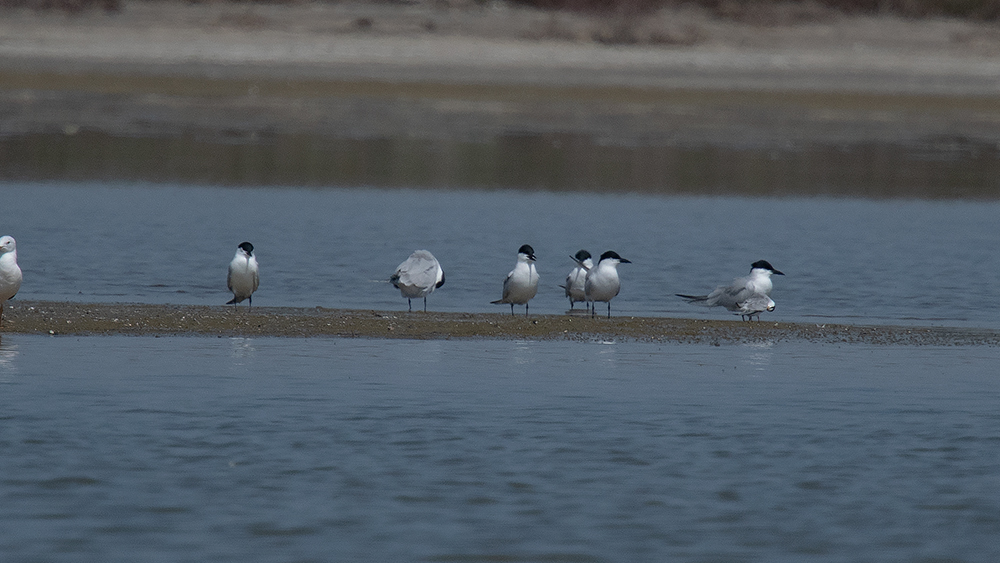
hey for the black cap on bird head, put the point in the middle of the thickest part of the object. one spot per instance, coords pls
(613, 254)
(582, 255)
(527, 250)
(246, 246)
(765, 265)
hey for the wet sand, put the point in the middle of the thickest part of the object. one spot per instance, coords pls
(82, 319)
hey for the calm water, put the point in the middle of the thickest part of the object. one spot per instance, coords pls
(220, 449)
(210, 449)
(857, 261)
(448, 154)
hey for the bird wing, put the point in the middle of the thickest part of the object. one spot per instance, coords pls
(756, 303)
(419, 270)
(729, 296)
(229, 278)
(506, 286)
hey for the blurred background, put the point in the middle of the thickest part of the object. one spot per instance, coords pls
(871, 98)
(855, 145)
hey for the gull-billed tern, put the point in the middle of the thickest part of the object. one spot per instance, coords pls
(243, 277)
(418, 276)
(602, 282)
(746, 296)
(521, 284)
(10, 272)
(577, 277)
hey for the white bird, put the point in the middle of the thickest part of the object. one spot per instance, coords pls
(10, 272)
(418, 276)
(521, 284)
(577, 277)
(602, 283)
(746, 296)
(756, 305)
(243, 276)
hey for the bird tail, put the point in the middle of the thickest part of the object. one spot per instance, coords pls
(234, 300)
(701, 299)
(497, 301)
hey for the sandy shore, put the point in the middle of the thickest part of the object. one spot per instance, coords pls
(374, 69)
(63, 318)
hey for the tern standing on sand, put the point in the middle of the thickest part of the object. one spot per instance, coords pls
(418, 276)
(746, 296)
(10, 272)
(602, 283)
(577, 278)
(521, 284)
(243, 275)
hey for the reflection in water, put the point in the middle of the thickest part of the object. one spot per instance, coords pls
(935, 168)
(759, 354)
(243, 350)
(523, 352)
(8, 364)
(429, 353)
(608, 352)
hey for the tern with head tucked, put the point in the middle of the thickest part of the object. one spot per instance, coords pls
(577, 278)
(521, 284)
(418, 276)
(10, 272)
(746, 296)
(602, 282)
(243, 277)
(755, 305)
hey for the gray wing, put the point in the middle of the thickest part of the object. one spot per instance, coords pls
(506, 288)
(419, 270)
(256, 279)
(506, 285)
(756, 303)
(229, 278)
(730, 296)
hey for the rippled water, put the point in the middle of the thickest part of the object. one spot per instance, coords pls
(209, 449)
(851, 260)
(226, 449)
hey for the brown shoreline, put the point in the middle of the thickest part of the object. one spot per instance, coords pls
(132, 319)
(166, 69)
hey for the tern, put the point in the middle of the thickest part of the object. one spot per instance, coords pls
(602, 282)
(755, 305)
(418, 276)
(243, 276)
(746, 296)
(577, 278)
(10, 272)
(521, 284)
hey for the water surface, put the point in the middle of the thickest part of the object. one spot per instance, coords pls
(847, 260)
(117, 449)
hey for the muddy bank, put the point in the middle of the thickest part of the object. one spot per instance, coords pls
(456, 95)
(426, 70)
(62, 318)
